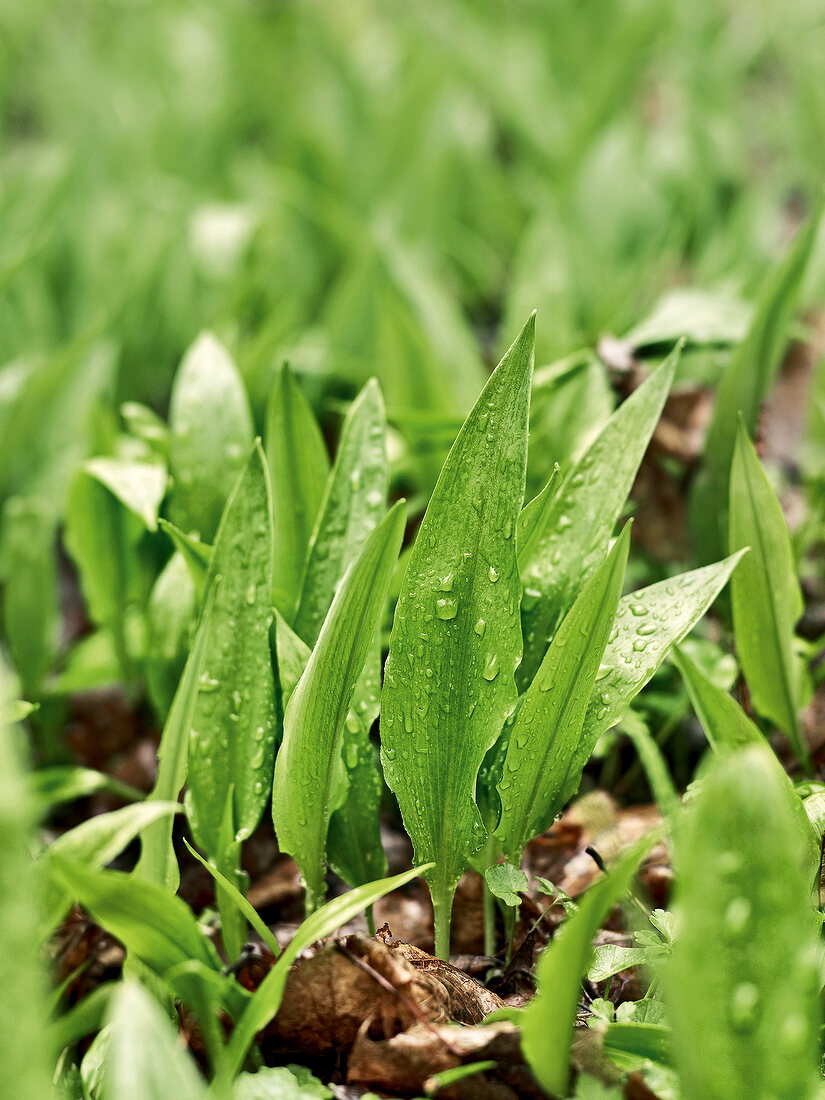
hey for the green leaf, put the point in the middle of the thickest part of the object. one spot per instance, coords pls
(725, 724)
(28, 567)
(576, 528)
(353, 504)
(280, 1083)
(267, 998)
(304, 789)
(648, 623)
(171, 613)
(139, 486)
(455, 643)
(532, 518)
(145, 1059)
(24, 1051)
(232, 742)
(211, 433)
(765, 595)
(94, 843)
(157, 861)
(298, 468)
(612, 959)
(629, 1044)
(548, 1021)
(744, 385)
(743, 984)
(655, 768)
(506, 881)
(547, 727)
(62, 783)
(244, 907)
(156, 925)
(83, 1018)
(196, 554)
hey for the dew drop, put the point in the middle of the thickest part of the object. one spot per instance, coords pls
(480, 627)
(647, 629)
(638, 609)
(446, 608)
(490, 667)
(494, 574)
(446, 584)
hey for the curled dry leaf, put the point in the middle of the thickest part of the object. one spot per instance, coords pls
(402, 1064)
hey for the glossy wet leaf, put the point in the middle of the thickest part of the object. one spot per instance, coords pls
(455, 643)
(547, 728)
(196, 554)
(765, 595)
(158, 862)
(548, 1021)
(210, 435)
(24, 1051)
(725, 724)
(307, 783)
(298, 469)
(145, 1059)
(647, 624)
(744, 385)
(353, 504)
(267, 998)
(576, 527)
(94, 843)
(139, 486)
(233, 728)
(742, 987)
(30, 593)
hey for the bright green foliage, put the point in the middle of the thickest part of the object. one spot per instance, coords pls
(455, 644)
(23, 1053)
(66, 782)
(725, 724)
(506, 882)
(232, 739)
(298, 469)
(648, 623)
(547, 727)
(144, 1059)
(744, 385)
(308, 782)
(158, 862)
(171, 612)
(93, 843)
(354, 502)
(577, 524)
(139, 486)
(547, 1028)
(211, 433)
(196, 554)
(765, 594)
(743, 985)
(30, 598)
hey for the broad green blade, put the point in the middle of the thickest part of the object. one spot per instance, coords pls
(532, 519)
(298, 469)
(306, 788)
(28, 568)
(648, 623)
(267, 998)
(725, 724)
(61, 783)
(576, 527)
(157, 855)
(171, 614)
(765, 595)
(211, 433)
(145, 1059)
(744, 385)
(354, 849)
(196, 554)
(353, 504)
(139, 486)
(548, 724)
(548, 1021)
(455, 643)
(232, 742)
(743, 983)
(25, 1068)
(93, 843)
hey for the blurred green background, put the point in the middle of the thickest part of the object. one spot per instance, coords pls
(376, 187)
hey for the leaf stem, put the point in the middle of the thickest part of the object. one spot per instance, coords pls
(442, 916)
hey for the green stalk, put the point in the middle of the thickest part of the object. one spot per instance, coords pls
(442, 896)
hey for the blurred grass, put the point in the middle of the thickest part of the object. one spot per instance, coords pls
(378, 187)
